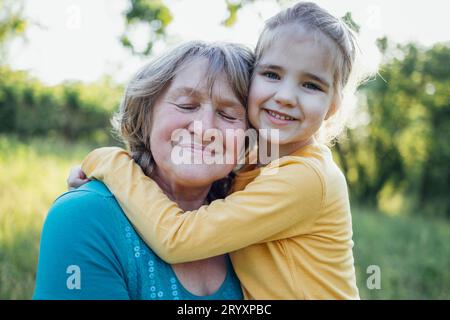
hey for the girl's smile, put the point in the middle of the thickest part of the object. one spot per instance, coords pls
(279, 118)
(292, 88)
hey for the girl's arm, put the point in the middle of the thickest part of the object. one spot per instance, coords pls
(270, 205)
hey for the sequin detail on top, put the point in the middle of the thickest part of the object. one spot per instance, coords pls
(150, 278)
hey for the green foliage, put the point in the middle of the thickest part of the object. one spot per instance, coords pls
(411, 252)
(152, 13)
(71, 110)
(32, 175)
(348, 19)
(399, 160)
(233, 7)
(12, 23)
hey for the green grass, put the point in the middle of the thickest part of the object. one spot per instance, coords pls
(412, 252)
(32, 175)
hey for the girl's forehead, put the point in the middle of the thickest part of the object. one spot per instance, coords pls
(292, 36)
(300, 52)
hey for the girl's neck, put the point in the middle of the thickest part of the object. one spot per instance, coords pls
(187, 197)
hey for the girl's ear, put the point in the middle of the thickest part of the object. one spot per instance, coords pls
(334, 106)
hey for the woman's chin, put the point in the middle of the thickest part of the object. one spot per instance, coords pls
(200, 175)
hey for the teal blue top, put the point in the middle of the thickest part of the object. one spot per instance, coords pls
(89, 250)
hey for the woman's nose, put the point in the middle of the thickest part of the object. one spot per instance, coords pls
(203, 121)
(209, 118)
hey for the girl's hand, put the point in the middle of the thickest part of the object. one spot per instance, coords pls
(76, 178)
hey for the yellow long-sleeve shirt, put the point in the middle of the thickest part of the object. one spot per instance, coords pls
(287, 226)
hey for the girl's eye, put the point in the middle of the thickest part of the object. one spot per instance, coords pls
(271, 75)
(312, 86)
(227, 117)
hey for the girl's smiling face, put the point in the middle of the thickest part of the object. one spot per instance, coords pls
(292, 87)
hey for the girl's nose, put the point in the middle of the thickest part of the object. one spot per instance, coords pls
(286, 95)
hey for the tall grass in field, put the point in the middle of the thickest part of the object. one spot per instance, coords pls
(32, 175)
(412, 253)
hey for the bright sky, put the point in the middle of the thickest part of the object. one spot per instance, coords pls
(78, 39)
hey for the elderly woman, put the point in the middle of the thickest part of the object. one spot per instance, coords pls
(89, 250)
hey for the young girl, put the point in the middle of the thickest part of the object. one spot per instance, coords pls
(287, 225)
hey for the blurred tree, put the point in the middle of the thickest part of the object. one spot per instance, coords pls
(152, 14)
(12, 23)
(348, 19)
(233, 7)
(155, 16)
(399, 160)
(71, 110)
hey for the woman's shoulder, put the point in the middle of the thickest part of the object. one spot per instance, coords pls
(92, 195)
(89, 191)
(90, 207)
(87, 219)
(82, 230)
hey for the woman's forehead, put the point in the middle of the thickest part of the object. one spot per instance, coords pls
(219, 96)
(195, 78)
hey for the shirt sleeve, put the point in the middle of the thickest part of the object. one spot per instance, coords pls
(78, 251)
(273, 202)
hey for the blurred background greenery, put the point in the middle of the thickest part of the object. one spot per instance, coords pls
(396, 157)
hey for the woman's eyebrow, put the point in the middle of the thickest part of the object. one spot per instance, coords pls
(185, 91)
(227, 102)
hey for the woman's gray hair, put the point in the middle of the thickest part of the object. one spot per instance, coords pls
(133, 120)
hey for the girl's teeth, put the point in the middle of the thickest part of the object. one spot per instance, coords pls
(279, 116)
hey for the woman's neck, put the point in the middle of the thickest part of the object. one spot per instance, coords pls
(187, 197)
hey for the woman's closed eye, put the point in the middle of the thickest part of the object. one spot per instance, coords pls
(187, 106)
(227, 116)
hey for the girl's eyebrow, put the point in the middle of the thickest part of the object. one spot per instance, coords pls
(318, 79)
(321, 80)
(270, 66)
